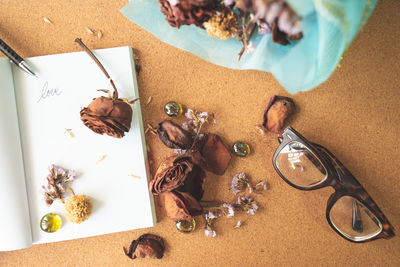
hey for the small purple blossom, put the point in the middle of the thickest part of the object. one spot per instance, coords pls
(56, 181)
(228, 2)
(247, 204)
(240, 182)
(229, 210)
(210, 233)
(238, 224)
(250, 47)
(179, 151)
(173, 2)
(263, 28)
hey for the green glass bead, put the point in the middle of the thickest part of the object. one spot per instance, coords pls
(50, 222)
(186, 226)
(173, 109)
(241, 149)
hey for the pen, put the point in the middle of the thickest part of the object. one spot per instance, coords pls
(14, 57)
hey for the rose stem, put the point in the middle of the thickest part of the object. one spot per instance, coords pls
(87, 50)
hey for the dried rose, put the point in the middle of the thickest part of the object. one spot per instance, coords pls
(185, 13)
(278, 110)
(108, 116)
(179, 172)
(173, 136)
(180, 206)
(215, 154)
(147, 245)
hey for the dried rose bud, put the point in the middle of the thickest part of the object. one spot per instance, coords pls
(146, 246)
(173, 136)
(184, 12)
(179, 172)
(108, 116)
(278, 110)
(180, 206)
(215, 154)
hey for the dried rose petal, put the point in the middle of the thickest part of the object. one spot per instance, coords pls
(180, 173)
(180, 206)
(173, 136)
(215, 154)
(278, 110)
(108, 116)
(147, 245)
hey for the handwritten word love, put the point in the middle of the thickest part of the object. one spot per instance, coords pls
(49, 92)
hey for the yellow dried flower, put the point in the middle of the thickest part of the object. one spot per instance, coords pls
(222, 25)
(78, 208)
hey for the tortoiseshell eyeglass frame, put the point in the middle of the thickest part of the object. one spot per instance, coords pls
(340, 178)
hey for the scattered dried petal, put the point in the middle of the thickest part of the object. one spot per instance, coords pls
(173, 136)
(278, 110)
(146, 246)
(260, 186)
(149, 100)
(238, 224)
(47, 20)
(89, 31)
(70, 133)
(210, 233)
(134, 176)
(101, 159)
(260, 129)
(99, 34)
(215, 154)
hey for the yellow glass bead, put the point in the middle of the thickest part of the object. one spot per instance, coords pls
(241, 149)
(173, 109)
(186, 226)
(50, 222)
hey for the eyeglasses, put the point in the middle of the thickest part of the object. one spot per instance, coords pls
(351, 212)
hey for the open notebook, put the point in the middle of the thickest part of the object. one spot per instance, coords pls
(33, 135)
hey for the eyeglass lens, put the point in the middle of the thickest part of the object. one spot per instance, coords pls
(300, 166)
(353, 219)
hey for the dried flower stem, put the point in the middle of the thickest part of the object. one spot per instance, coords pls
(245, 44)
(87, 50)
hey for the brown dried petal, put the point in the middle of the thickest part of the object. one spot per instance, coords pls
(278, 110)
(173, 136)
(215, 154)
(108, 116)
(147, 245)
(179, 172)
(180, 206)
(279, 36)
(185, 13)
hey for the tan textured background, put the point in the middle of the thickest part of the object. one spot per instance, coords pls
(356, 114)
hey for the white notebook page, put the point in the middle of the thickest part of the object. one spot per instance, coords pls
(120, 202)
(15, 231)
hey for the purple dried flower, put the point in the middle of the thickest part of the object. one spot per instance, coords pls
(229, 210)
(247, 204)
(250, 47)
(189, 114)
(260, 186)
(210, 233)
(240, 182)
(238, 224)
(263, 27)
(228, 2)
(173, 2)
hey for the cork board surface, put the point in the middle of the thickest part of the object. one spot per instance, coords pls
(355, 114)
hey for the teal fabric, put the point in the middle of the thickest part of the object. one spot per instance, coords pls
(329, 26)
